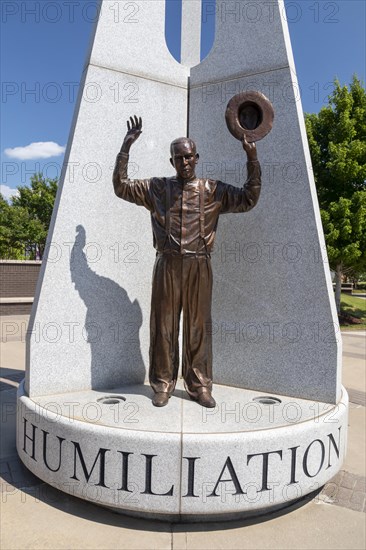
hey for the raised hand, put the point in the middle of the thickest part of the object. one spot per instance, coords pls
(134, 131)
(249, 148)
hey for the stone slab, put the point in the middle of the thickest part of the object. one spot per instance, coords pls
(314, 525)
(175, 469)
(134, 410)
(275, 326)
(92, 302)
(86, 460)
(191, 33)
(130, 38)
(249, 38)
(237, 410)
(64, 522)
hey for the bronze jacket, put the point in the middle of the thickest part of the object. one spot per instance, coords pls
(184, 215)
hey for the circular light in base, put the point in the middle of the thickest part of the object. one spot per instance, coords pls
(111, 399)
(267, 400)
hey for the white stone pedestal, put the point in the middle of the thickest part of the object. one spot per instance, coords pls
(252, 453)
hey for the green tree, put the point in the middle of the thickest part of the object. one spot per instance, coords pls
(25, 222)
(9, 246)
(344, 225)
(337, 141)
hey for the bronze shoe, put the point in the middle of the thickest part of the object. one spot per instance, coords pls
(160, 399)
(205, 399)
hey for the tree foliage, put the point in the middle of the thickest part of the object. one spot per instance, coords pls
(337, 140)
(25, 221)
(9, 246)
(344, 224)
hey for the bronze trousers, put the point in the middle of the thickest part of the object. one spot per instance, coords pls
(181, 283)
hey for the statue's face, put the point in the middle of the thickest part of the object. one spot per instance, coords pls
(184, 160)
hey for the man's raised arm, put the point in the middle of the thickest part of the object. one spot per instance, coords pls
(234, 199)
(136, 191)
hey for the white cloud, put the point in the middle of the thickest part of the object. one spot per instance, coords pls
(37, 150)
(7, 191)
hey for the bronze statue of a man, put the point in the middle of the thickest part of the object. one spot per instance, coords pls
(184, 214)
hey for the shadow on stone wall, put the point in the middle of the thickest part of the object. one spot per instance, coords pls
(112, 323)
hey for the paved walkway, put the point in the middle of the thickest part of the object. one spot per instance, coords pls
(36, 516)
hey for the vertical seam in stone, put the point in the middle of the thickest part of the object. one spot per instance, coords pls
(188, 102)
(181, 458)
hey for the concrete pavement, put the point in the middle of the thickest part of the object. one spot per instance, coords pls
(36, 516)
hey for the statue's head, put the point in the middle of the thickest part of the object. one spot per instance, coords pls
(184, 157)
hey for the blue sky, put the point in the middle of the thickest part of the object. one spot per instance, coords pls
(44, 44)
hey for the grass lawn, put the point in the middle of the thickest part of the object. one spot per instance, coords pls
(352, 305)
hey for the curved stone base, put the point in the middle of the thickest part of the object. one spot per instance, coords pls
(252, 454)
